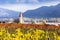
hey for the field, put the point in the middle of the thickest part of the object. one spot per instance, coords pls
(18, 31)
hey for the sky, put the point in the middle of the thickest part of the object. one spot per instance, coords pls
(24, 5)
(27, 1)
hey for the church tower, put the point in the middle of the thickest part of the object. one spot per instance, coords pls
(20, 18)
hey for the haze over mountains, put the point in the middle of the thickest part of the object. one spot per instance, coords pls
(42, 12)
(5, 13)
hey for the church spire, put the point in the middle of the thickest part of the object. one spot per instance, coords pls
(20, 17)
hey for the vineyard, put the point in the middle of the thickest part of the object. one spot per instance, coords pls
(16, 31)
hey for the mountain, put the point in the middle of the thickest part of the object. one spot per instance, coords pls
(5, 13)
(44, 12)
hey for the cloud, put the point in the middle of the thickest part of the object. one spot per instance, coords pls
(27, 1)
(44, 1)
(19, 7)
(33, 1)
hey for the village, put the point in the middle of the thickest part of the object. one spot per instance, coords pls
(26, 20)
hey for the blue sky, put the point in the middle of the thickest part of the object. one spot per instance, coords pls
(24, 5)
(27, 1)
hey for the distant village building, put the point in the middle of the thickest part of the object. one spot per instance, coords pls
(11, 20)
(6, 20)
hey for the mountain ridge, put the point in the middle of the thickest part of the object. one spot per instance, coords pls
(44, 12)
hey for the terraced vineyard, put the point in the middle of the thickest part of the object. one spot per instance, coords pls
(16, 31)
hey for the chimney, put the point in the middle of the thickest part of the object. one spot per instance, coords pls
(20, 17)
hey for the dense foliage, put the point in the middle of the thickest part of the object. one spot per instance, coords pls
(28, 34)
